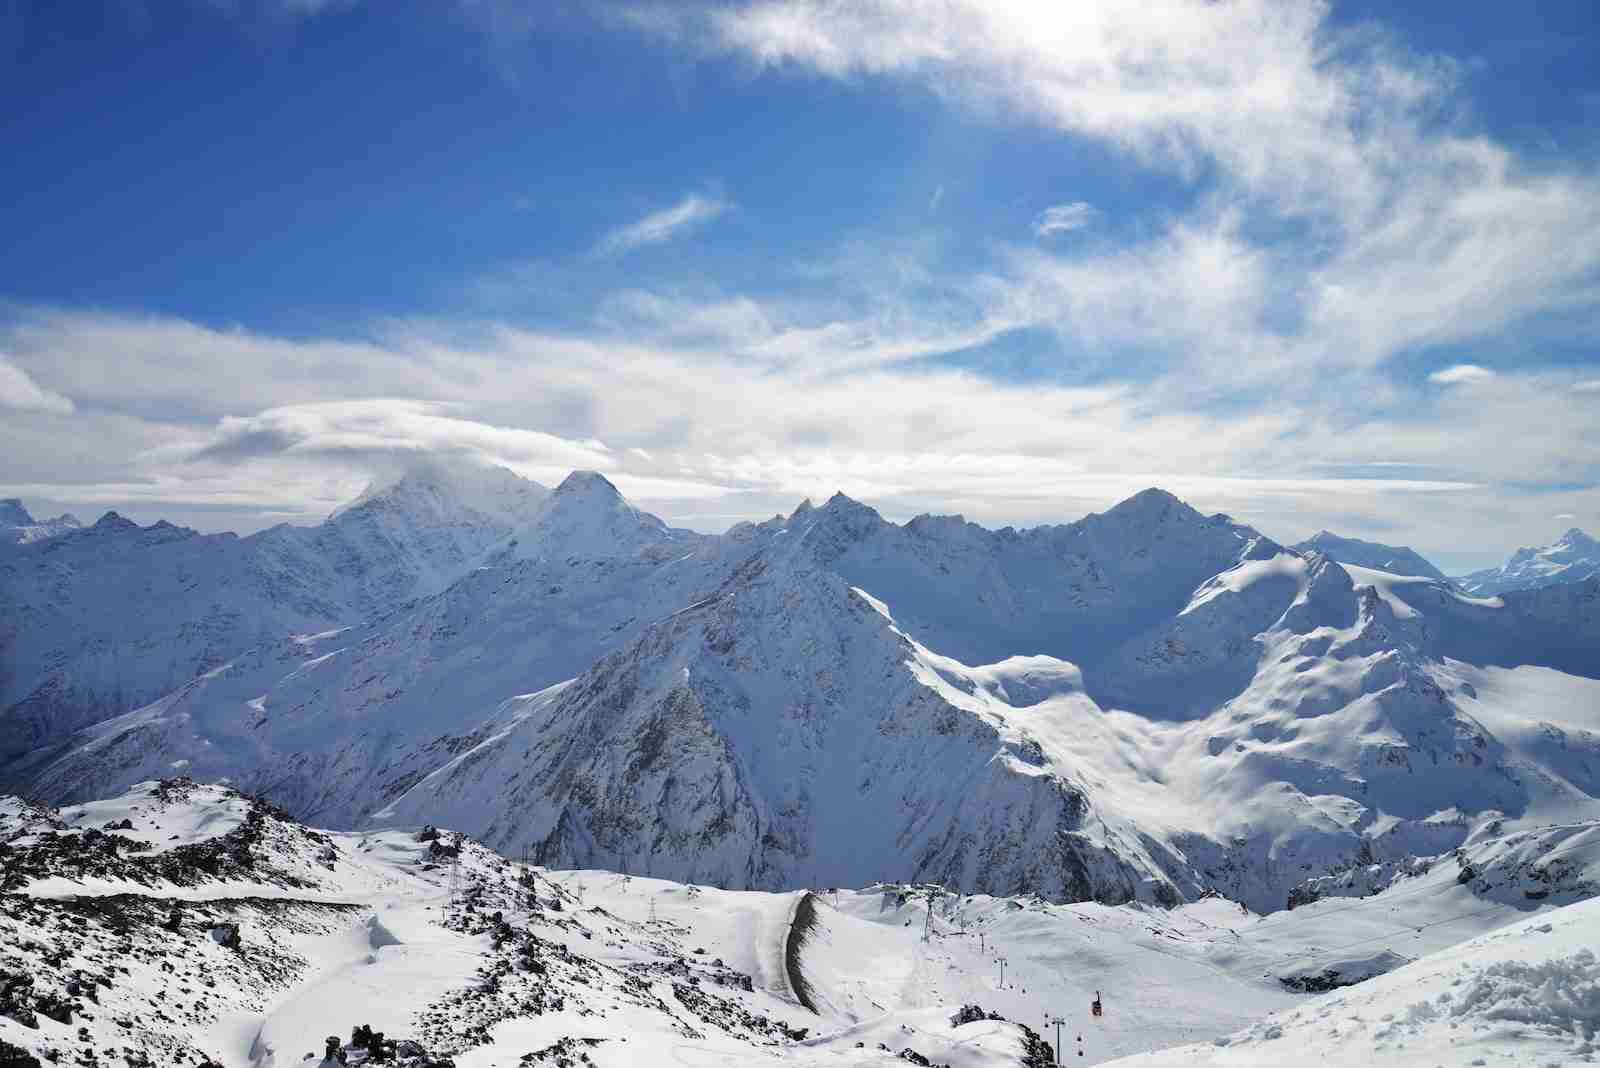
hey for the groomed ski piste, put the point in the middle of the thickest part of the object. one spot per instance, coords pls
(181, 924)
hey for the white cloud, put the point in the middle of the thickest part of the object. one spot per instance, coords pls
(659, 226)
(736, 322)
(1409, 227)
(1462, 373)
(1063, 218)
(374, 432)
(19, 390)
(1406, 227)
(1261, 87)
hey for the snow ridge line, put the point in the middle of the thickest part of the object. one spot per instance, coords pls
(801, 922)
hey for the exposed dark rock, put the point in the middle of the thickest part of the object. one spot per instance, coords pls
(972, 1014)
(1036, 1052)
(16, 1057)
(1316, 984)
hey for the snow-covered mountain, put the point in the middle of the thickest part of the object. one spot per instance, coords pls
(339, 720)
(18, 527)
(183, 923)
(1147, 704)
(1395, 559)
(1285, 722)
(1572, 558)
(102, 620)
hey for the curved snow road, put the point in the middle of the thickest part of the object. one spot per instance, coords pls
(801, 921)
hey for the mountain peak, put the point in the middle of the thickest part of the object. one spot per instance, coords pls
(19, 527)
(1154, 495)
(587, 516)
(848, 509)
(433, 479)
(588, 483)
(1151, 504)
(839, 523)
(13, 514)
(114, 521)
(948, 526)
(1395, 559)
(1573, 557)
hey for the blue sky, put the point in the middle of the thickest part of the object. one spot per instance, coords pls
(1314, 265)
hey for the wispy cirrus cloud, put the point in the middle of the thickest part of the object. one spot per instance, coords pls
(1410, 227)
(1063, 218)
(691, 212)
(18, 390)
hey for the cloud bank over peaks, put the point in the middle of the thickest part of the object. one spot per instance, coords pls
(708, 436)
(372, 431)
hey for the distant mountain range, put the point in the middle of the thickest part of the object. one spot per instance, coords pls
(97, 621)
(1147, 703)
(17, 527)
(1572, 558)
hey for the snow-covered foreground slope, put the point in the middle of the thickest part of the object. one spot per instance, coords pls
(210, 926)
(99, 621)
(1573, 557)
(1525, 994)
